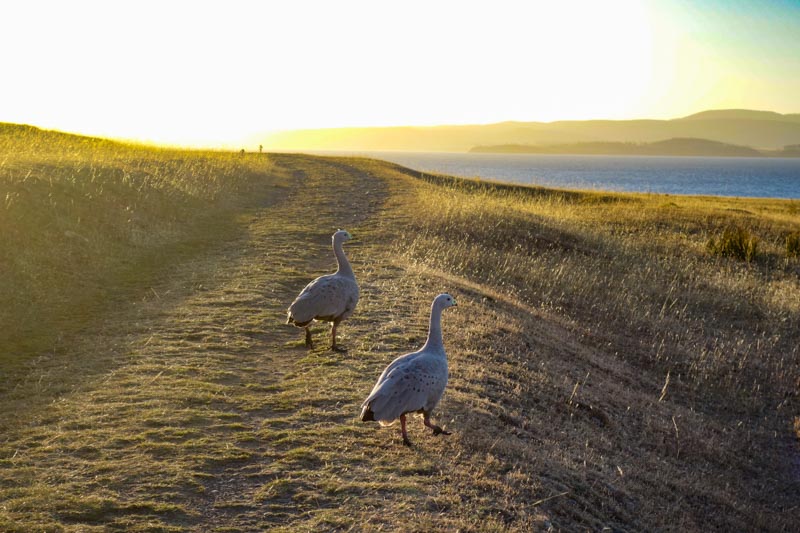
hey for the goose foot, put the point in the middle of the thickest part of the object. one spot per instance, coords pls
(337, 348)
(426, 419)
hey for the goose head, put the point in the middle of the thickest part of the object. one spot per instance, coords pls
(444, 301)
(341, 236)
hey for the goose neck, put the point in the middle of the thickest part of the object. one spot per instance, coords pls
(344, 267)
(435, 330)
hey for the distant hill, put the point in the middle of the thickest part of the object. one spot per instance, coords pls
(678, 146)
(742, 114)
(37, 136)
(792, 150)
(757, 129)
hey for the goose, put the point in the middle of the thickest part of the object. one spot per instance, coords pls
(330, 298)
(413, 383)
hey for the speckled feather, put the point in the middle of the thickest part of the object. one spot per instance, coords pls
(412, 382)
(325, 298)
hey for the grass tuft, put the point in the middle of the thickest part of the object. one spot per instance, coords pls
(737, 243)
(793, 244)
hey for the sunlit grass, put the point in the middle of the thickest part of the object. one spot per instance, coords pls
(600, 371)
(635, 268)
(85, 221)
(736, 243)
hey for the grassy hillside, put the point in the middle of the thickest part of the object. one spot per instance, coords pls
(636, 270)
(613, 364)
(85, 223)
(759, 130)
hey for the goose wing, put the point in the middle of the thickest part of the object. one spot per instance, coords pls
(411, 383)
(325, 298)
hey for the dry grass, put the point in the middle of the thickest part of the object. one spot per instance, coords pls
(634, 270)
(793, 244)
(580, 397)
(736, 243)
(85, 221)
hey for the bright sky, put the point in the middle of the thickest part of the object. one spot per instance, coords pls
(215, 73)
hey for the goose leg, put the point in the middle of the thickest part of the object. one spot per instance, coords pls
(403, 430)
(334, 346)
(308, 338)
(426, 419)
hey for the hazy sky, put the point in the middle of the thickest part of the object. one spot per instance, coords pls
(216, 72)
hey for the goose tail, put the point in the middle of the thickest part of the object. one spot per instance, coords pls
(367, 415)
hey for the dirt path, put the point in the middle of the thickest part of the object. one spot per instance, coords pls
(209, 415)
(205, 413)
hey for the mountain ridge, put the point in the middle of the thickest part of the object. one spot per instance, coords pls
(760, 130)
(743, 114)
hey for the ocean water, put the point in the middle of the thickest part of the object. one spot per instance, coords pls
(718, 176)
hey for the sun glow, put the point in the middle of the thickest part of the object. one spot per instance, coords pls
(218, 73)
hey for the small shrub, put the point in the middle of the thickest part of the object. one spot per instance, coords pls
(793, 244)
(735, 242)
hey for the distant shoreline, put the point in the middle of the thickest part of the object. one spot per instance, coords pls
(669, 147)
(740, 177)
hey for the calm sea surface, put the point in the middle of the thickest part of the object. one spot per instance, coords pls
(718, 176)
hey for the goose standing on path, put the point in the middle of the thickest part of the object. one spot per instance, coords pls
(413, 383)
(330, 298)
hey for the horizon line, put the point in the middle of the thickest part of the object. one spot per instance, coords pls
(246, 138)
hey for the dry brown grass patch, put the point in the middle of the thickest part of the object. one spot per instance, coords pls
(192, 409)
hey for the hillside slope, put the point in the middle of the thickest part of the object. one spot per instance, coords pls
(85, 222)
(581, 396)
(759, 130)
